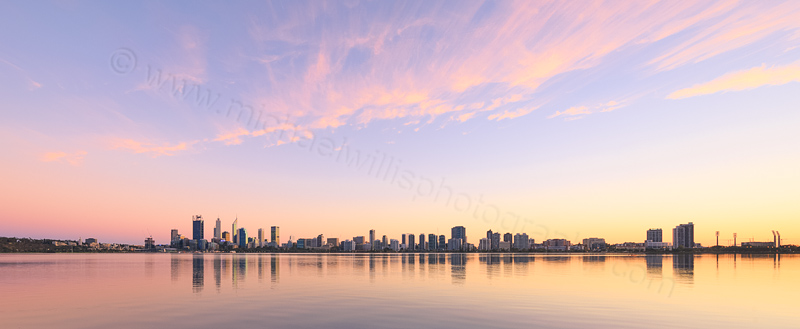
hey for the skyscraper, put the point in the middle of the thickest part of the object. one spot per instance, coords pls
(218, 229)
(422, 242)
(235, 231)
(654, 235)
(489, 245)
(275, 235)
(508, 237)
(459, 232)
(496, 241)
(372, 238)
(432, 245)
(411, 244)
(242, 236)
(197, 227)
(404, 238)
(260, 242)
(683, 235)
(174, 235)
(442, 242)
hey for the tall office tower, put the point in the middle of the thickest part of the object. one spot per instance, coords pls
(242, 236)
(683, 235)
(174, 236)
(404, 239)
(422, 242)
(411, 244)
(442, 242)
(260, 238)
(496, 241)
(359, 240)
(384, 241)
(489, 238)
(508, 237)
(235, 231)
(321, 240)
(654, 235)
(275, 235)
(226, 236)
(218, 229)
(432, 245)
(372, 238)
(459, 232)
(197, 227)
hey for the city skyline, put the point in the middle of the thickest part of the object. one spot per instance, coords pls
(585, 119)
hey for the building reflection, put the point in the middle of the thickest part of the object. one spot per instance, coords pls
(148, 265)
(175, 266)
(458, 268)
(593, 262)
(655, 267)
(683, 267)
(198, 273)
(217, 271)
(274, 269)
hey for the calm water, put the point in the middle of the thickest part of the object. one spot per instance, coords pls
(398, 291)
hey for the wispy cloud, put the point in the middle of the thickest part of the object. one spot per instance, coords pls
(74, 159)
(742, 80)
(579, 112)
(151, 149)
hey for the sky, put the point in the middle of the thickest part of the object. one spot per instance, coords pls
(565, 119)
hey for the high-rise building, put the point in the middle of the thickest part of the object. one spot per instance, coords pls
(508, 237)
(442, 242)
(404, 238)
(372, 238)
(422, 242)
(594, 243)
(459, 232)
(432, 243)
(235, 230)
(260, 242)
(242, 236)
(384, 242)
(495, 241)
(333, 242)
(174, 236)
(320, 241)
(654, 235)
(359, 240)
(275, 235)
(683, 235)
(197, 227)
(149, 243)
(411, 244)
(488, 237)
(218, 229)
(226, 236)
(521, 241)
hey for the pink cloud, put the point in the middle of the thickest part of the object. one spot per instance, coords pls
(151, 149)
(742, 80)
(74, 159)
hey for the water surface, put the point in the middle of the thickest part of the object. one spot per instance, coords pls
(398, 290)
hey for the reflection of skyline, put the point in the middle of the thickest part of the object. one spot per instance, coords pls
(683, 267)
(655, 265)
(198, 273)
(458, 268)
